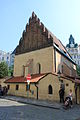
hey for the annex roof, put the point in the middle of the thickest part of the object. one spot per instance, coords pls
(21, 79)
(36, 77)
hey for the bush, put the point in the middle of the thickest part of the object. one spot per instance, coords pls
(3, 69)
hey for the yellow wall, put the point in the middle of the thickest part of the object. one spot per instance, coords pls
(54, 81)
(43, 88)
(46, 58)
(42, 56)
(22, 90)
(78, 94)
(60, 59)
(2, 82)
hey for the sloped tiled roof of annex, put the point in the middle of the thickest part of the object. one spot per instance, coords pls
(37, 77)
(22, 79)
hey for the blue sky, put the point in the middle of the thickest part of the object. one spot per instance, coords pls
(61, 17)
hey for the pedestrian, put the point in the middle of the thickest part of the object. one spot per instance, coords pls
(61, 95)
(71, 96)
(0, 90)
(62, 85)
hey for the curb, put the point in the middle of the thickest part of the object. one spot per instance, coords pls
(35, 104)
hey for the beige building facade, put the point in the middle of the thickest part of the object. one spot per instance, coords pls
(43, 56)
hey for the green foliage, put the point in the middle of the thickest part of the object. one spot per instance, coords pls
(10, 70)
(78, 70)
(3, 69)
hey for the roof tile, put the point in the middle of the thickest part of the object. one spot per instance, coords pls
(21, 79)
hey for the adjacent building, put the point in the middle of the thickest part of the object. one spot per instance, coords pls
(12, 56)
(8, 57)
(74, 50)
(5, 57)
(45, 58)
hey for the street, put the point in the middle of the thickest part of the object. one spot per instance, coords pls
(12, 110)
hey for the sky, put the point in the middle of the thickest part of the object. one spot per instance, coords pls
(61, 17)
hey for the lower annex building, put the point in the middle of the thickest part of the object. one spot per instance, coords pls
(43, 56)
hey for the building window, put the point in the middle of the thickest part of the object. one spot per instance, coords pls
(17, 87)
(7, 57)
(74, 56)
(38, 68)
(27, 87)
(2, 58)
(8, 86)
(67, 84)
(72, 50)
(50, 90)
(79, 56)
(78, 62)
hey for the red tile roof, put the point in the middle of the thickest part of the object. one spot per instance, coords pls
(58, 42)
(36, 77)
(21, 79)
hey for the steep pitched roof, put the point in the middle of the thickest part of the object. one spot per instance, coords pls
(34, 37)
(46, 37)
(37, 36)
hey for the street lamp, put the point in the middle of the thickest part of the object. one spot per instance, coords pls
(28, 77)
(62, 84)
(59, 75)
(76, 86)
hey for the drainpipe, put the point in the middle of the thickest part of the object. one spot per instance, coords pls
(36, 90)
(76, 92)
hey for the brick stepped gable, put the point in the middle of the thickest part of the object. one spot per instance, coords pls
(34, 37)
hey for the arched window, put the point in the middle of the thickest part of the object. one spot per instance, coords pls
(38, 68)
(50, 90)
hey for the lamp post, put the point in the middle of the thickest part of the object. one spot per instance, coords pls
(59, 75)
(28, 77)
(76, 91)
(62, 84)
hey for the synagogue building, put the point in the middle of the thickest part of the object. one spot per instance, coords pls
(42, 55)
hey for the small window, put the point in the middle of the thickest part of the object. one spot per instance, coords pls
(67, 84)
(50, 90)
(2, 58)
(27, 87)
(7, 58)
(17, 87)
(74, 56)
(8, 87)
(38, 68)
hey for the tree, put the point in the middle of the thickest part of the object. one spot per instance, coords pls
(10, 70)
(78, 70)
(3, 69)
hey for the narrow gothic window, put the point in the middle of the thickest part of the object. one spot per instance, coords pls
(50, 90)
(38, 68)
(17, 87)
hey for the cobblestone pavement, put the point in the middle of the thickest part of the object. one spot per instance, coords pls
(12, 110)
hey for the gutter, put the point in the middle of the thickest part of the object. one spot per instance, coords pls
(37, 91)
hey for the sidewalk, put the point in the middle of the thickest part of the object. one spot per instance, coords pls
(48, 104)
